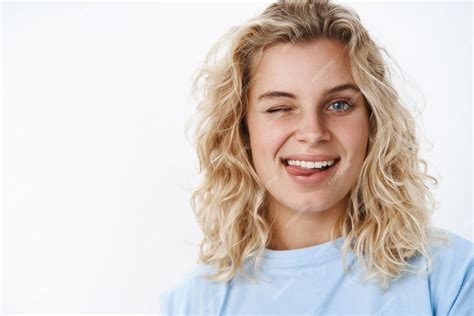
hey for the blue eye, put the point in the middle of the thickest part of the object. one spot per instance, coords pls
(339, 104)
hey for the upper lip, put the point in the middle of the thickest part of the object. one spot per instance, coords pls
(309, 157)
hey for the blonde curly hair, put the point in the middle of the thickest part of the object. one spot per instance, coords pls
(387, 220)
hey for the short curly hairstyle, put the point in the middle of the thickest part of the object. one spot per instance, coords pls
(388, 217)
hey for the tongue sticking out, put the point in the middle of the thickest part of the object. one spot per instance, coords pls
(301, 171)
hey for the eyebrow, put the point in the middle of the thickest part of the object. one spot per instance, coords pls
(283, 94)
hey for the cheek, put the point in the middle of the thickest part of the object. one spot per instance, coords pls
(266, 138)
(354, 136)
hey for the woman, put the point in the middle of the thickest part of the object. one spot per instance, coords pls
(313, 201)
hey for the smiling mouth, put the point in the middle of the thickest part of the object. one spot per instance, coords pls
(285, 163)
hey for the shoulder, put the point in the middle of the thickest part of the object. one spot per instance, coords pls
(194, 294)
(451, 278)
(457, 253)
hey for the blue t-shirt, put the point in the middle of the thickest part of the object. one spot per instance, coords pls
(311, 281)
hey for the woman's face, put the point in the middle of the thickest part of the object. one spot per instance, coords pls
(303, 102)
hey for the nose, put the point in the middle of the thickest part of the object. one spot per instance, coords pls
(312, 129)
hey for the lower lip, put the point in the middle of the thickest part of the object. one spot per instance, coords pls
(312, 179)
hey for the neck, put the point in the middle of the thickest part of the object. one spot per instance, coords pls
(292, 229)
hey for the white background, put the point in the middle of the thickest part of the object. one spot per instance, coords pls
(97, 171)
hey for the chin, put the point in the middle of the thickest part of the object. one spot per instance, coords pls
(320, 203)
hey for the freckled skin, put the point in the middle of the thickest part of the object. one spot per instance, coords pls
(312, 125)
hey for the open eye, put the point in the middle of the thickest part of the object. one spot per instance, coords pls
(339, 105)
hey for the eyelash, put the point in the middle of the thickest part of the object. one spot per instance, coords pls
(286, 109)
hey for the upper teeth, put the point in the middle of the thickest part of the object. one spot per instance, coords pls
(310, 164)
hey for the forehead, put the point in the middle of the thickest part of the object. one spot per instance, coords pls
(302, 68)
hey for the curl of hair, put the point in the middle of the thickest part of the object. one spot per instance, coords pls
(388, 217)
